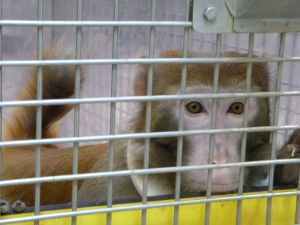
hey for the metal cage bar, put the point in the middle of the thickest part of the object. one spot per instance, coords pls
(245, 124)
(1, 97)
(181, 115)
(147, 61)
(143, 135)
(148, 206)
(39, 93)
(83, 176)
(68, 23)
(112, 116)
(76, 113)
(212, 126)
(74, 101)
(148, 112)
(275, 121)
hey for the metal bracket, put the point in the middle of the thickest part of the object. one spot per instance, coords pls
(211, 16)
(222, 16)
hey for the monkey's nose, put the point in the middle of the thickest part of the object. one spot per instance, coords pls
(218, 161)
(219, 157)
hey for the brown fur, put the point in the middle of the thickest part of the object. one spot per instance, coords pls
(20, 163)
(58, 83)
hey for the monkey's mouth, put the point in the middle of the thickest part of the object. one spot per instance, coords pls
(224, 187)
(217, 186)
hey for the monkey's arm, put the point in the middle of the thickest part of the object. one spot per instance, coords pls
(96, 189)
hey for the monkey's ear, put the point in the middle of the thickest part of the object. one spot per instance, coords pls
(140, 80)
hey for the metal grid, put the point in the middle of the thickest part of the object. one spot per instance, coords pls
(283, 89)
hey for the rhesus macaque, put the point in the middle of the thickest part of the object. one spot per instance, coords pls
(197, 116)
(19, 162)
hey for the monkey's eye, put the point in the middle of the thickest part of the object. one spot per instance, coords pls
(236, 108)
(195, 107)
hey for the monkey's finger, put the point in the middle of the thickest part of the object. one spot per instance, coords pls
(4, 206)
(18, 206)
(291, 151)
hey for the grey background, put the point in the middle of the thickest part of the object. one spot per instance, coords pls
(20, 43)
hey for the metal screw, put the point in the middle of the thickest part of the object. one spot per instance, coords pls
(210, 14)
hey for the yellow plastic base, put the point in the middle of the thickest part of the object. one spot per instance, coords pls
(253, 213)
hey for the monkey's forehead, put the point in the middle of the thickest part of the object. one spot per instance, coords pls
(230, 75)
(175, 53)
(209, 89)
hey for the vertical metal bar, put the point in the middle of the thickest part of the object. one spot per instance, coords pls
(245, 124)
(275, 122)
(291, 81)
(148, 111)
(181, 114)
(1, 95)
(39, 96)
(213, 125)
(112, 124)
(297, 216)
(76, 113)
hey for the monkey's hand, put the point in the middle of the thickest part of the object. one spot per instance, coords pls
(289, 151)
(289, 173)
(17, 207)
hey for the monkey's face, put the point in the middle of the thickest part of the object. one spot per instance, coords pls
(225, 147)
(199, 115)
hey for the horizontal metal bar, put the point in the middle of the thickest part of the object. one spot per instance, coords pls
(47, 141)
(147, 61)
(74, 101)
(121, 173)
(95, 23)
(148, 206)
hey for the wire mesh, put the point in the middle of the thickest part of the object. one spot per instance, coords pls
(108, 39)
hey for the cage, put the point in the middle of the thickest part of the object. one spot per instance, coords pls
(108, 42)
